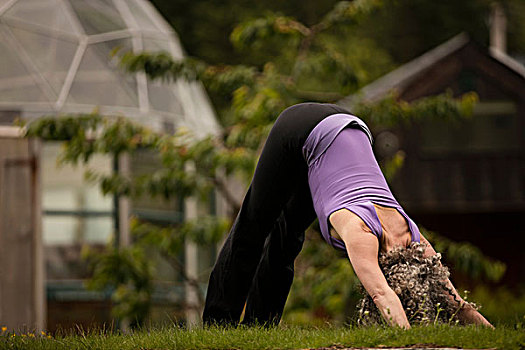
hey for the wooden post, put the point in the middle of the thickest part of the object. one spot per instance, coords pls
(123, 234)
(39, 290)
(123, 203)
(191, 268)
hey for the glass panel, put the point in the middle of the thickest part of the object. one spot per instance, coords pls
(64, 257)
(143, 19)
(165, 43)
(199, 116)
(145, 207)
(51, 14)
(494, 127)
(65, 262)
(60, 230)
(156, 45)
(94, 199)
(51, 56)
(98, 16)
(163, 98)
(98, 230)
(99, 81)
(29, 92)
(75, 197)
(494, 133)
(60, 199)
(10, 65)
(16, 83)
(64, 187)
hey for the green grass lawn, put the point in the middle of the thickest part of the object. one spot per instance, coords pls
(283, 337)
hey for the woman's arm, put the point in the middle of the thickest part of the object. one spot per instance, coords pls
(467, 314)
(362, 247)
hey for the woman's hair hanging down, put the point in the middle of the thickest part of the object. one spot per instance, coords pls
(420, 284)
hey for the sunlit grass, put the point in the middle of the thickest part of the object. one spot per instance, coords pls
(283, 337)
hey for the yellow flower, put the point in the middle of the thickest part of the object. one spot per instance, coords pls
(4, 329)
(43, 333)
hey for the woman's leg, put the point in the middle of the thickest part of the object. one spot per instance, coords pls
(274, 182)
(275, 273)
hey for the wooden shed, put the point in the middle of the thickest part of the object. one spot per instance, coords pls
(22, 295)
(466, 179)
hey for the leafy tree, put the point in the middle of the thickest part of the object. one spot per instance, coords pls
(404, 28)
(322, 62)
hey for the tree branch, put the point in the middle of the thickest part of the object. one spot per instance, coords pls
(194, 283)
(235, 205)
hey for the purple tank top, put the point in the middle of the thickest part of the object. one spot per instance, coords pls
(343, 173)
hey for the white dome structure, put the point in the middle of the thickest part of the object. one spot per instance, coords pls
(55, 58)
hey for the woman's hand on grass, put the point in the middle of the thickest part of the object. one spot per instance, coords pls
(469, 315)
(391, 309)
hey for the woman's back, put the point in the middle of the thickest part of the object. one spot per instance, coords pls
(346, 175)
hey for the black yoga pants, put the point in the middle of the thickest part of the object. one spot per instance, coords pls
(256, 264)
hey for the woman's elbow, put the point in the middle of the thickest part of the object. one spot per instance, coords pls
(380, 294)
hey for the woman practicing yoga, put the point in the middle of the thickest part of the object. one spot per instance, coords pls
(317, 161)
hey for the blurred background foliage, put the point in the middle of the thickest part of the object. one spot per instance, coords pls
(403, 28)
(255, 59)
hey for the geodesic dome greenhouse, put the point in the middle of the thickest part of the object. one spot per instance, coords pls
(55, 57)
